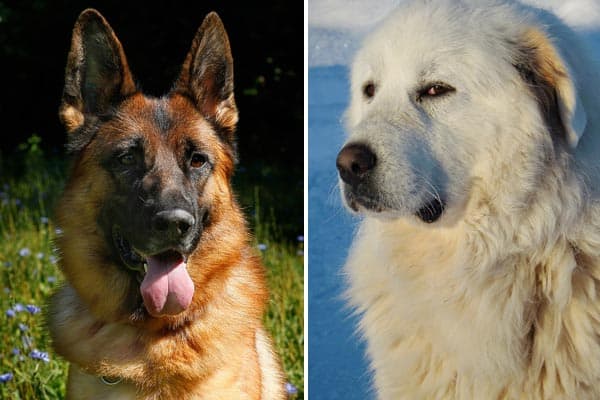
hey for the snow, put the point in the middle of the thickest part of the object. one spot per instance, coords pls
(337, 26)
(337, 367)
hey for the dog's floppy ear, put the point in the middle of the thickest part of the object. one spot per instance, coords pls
(207, 76)
(97, 75)
(541, 66)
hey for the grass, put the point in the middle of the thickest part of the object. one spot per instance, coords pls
(29, 369)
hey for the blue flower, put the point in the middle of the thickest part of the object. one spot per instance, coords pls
(15, 351)
(39, 255)
(33, 309)
(39, 355)
(262, 246)
(6, 377)
(24, 252)
(19, 307)
(300, 238)
(23, 327)
(290, 389)
(53, 259)
(58, 231)
(10, 313)
(44, 220)
(51, 279)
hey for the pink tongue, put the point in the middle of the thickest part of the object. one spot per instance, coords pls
(167, 288)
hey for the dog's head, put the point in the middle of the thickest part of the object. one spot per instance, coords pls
(446, 97)
(151, 175)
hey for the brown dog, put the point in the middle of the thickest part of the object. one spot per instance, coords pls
(165, 296)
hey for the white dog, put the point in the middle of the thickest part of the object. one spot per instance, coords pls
(473, 155)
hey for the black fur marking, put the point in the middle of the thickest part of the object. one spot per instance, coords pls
(81, 137)
(162, 117)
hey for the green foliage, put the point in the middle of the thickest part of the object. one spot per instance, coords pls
(29, 187)
(285, 273)
(33, 156)
(28, 273)
(280, 191)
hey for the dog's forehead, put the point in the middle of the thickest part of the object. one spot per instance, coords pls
(422, 40)
(163, 118)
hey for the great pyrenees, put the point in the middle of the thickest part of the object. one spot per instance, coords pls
(473, 155)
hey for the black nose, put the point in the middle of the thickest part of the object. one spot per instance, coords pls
(173, 223)
(354, 161)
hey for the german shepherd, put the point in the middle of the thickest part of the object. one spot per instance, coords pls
(164, 296)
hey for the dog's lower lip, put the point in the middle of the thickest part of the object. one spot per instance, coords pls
(356, 201)
(431, 211)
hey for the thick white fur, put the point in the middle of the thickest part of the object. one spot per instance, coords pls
(499, 298)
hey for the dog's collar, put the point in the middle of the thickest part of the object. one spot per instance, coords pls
(110, 381)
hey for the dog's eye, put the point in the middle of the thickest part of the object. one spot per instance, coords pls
(434, 90)
(127, 159)
(198, 160)
(369, 90)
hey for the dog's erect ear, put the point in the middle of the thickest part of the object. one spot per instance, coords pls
(541, 65)
(207, 76)
(97, 75)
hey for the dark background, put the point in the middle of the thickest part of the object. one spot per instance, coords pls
(267, 45)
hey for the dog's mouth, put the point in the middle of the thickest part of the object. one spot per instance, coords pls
(130, 258)
(431, 211)
(165, 285)
(355, 201)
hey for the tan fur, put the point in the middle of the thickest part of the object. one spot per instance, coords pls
(271, 387)
(552, 85)
(545, 57)
(71, 117)
(216, 348)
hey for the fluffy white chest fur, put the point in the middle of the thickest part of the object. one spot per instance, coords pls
(445, 321)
